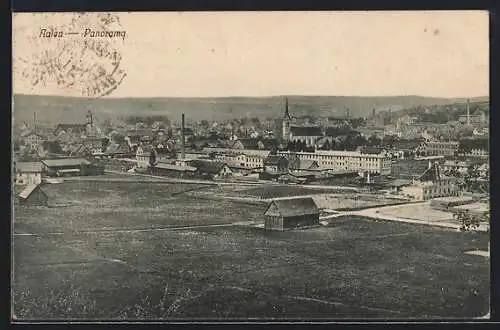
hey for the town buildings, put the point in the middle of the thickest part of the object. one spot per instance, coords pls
(441, 148)
(33, 141)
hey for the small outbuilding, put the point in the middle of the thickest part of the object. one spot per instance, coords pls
(33, 195)
(285, 214)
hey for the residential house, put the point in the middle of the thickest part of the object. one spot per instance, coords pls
(284, 214)
(431, 184)
(28, 173)
(117, 150)
(210, 169)
(455, 165)
(145, 155)
(441, 148)
(33, 141)
(276, 164)
(70, 129)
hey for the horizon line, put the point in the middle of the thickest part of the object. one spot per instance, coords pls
(248, 96)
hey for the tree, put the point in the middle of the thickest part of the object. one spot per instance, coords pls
(326, 145)
(467, 220)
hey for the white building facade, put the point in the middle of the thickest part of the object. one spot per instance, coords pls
(346, 160)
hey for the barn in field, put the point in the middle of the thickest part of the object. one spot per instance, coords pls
(33, 195)
(285, 214)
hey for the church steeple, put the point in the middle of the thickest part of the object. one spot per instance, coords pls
(287, 113)
(286, 122)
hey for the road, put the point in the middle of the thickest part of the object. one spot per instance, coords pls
(377, 213)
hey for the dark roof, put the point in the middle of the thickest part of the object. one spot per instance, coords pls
(207, 166)
(431, 174)
(306, 164)
(273, 160)
(371, 150)
(293, 207)
(306, 131)
(65, 162)
(469, 144)
(408, 144)
(248, 143)
(270, 143)
(337, 131)
(28, 166)
(115, 148)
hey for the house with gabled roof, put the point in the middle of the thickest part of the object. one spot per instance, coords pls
(275, 163)
(27, 173)
(210, 169)
(285, 214)
(431, 184)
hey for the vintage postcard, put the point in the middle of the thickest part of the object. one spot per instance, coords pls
(318, 166)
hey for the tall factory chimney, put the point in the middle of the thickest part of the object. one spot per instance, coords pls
(468, 112)
(183, 146)
(347, 113)
(34, 121)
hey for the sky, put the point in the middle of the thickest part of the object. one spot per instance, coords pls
(196, 54)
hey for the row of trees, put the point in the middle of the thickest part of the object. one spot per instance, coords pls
(348, 142)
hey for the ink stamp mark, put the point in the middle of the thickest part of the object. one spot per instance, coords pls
(82, 57)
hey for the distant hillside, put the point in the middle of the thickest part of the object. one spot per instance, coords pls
(55, 109)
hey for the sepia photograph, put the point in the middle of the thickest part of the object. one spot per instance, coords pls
(250, 166)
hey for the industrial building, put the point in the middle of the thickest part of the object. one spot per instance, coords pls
(345, 160)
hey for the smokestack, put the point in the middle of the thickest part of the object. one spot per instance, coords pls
(183, 151)
(468, 112)
(347, 113)
(34, 121)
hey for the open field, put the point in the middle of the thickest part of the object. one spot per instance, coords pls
(354, 268)
(419, 211)
(88, 205)
(267, 191)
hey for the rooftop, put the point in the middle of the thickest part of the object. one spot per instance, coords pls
(292, 207)
(28, 191)
(65, 162)
(28, 166)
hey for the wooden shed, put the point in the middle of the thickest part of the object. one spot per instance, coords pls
(284, 214)
(33, 195)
